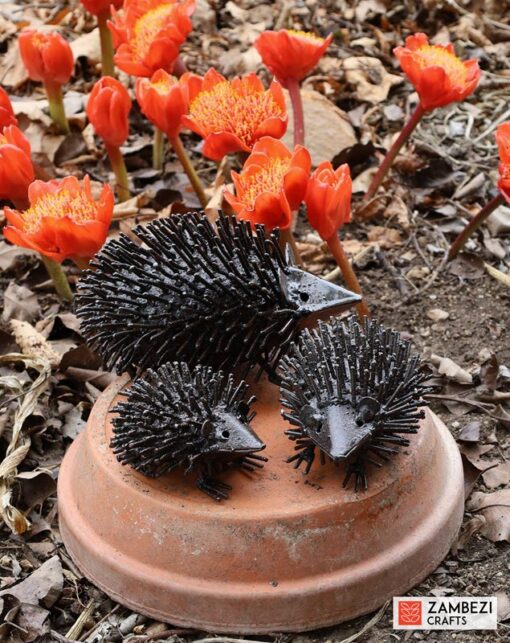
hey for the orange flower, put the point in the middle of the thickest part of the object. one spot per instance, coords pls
(231, 115)
(95, 7)
(63, 221)
(16, 169)
(107, 109)
(271, 185)
(46, 56)
(164, 100)
(290, 54)
(328, 199)
(437, 74)
(149, 33)
(503, 141)
(6, 112)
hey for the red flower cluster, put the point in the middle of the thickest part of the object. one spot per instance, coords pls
(16, 169)
(271, 185)
(165, 100)
(107, 109)
(63, 220)
(47, 56)
(6, 112)
(503, 141)
(290, 54)
(232, 115)
(439, 76)
(149, 33)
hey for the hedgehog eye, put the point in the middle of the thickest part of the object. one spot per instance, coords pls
(304, 296)
(225, 434)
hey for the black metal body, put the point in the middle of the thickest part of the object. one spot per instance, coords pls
(223, 295)
(196, 420)
(354, 393)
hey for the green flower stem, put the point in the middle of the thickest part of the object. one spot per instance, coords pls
(59, 278)
(105, 37)
(337, 250)
(188, 167)
(119, 168)
(297, 110)
(394, 150)
(287, 237)
(474, 224)
(57, 110)
(158, 149)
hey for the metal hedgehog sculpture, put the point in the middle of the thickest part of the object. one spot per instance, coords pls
(219, 294)
(353, 393)
(195, 419)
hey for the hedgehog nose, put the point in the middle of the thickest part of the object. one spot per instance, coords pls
(239, 436)
(345, 435)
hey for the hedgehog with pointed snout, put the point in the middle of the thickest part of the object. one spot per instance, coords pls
(195, 420)
(353, 393)
(221, 294)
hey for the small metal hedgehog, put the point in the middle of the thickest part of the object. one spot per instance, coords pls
(198, 420)
(221, 295)
(353, 393)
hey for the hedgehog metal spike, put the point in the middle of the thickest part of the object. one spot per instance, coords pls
(222, 295)
(354, 393)
(194, 419)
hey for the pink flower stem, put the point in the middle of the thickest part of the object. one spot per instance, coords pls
(189, 168)
(474, 224)
(297, 109)
(119, 169)
(158, 149)
(56, 104)
(105, 37)
(59, 278)
(337, 250)
(394, 150)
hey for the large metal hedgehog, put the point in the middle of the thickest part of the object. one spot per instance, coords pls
(221, 294)
(354, 393)
(188, 419)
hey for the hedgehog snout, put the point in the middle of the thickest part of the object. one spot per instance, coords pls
(342, 435)
(233, 435)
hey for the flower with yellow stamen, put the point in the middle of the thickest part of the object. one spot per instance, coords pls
(290, 54)
(232, 115)
(439, 76)
(271, 184)
(149, 33)
(63, 221)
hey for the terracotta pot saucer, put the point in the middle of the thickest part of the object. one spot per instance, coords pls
(285, 553)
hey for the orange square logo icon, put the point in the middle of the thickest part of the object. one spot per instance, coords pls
(409, 613)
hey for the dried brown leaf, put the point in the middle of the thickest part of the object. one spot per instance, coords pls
(368, 75)
(42, 587)
(20, 303)
(495, 508)
(328, 128)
